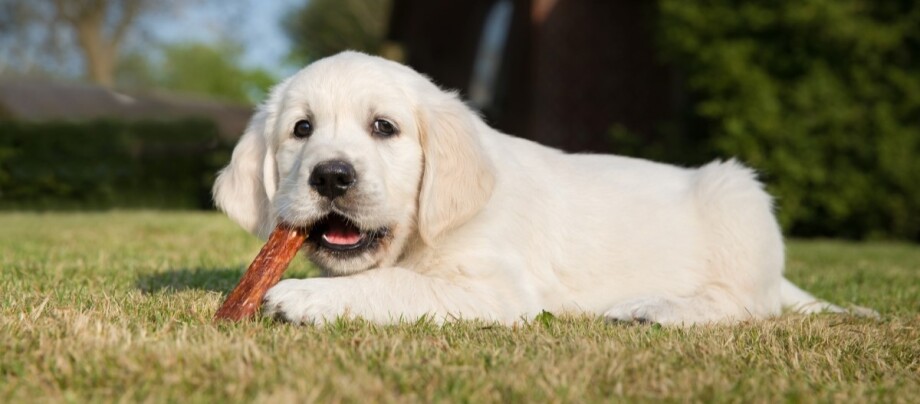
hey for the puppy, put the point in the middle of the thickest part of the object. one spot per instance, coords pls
(418, 208)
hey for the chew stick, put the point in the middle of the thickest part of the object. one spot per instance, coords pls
(264, 272)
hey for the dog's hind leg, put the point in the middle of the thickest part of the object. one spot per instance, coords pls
(742, 261)
(713, 305)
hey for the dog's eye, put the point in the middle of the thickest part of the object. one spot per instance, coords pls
(303, 128)
(384, 128)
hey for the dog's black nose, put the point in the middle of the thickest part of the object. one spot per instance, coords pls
(332, 178)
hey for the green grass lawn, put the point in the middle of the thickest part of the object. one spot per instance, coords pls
(118, 306)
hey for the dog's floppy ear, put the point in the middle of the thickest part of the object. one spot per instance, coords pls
(458, 175)
(244, 188)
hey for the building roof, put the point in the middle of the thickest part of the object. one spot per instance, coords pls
(35, 100)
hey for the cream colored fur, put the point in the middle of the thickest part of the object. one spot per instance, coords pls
(490, 226)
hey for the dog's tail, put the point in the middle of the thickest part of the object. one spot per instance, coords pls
(797, 300)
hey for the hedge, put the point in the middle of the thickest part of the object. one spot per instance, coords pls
(109, 164)
(821, 96)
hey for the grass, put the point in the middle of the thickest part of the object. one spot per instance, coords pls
(117, 307)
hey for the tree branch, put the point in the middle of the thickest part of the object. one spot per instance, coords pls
(132, 8)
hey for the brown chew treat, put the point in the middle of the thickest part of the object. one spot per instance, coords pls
(264, 272)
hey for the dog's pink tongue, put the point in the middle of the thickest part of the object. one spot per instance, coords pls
(342, 234)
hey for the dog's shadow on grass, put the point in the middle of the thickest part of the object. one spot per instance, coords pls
(181, 279)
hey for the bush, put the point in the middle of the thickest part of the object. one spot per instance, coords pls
(822, 96)
(109, 164)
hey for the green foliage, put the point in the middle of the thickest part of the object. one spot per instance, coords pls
(325, 27)
(545, 318)
(107, 164)
(213, 70)
(822, 96)
(197, 68)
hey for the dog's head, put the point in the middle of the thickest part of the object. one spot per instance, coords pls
(365, 152)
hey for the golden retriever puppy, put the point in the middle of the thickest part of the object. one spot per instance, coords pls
(418, 208)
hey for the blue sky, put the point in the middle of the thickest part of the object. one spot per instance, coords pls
(255, 23)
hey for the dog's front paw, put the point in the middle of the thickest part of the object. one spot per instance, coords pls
(305, 301)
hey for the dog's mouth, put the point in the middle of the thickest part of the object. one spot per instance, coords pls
(337, 233)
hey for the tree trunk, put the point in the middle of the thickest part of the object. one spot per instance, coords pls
(98, 44)
(98, 52)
